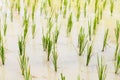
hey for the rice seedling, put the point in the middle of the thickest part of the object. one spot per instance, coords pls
(101, 69)
(78, 12)
(65, 8)
(56, 34)
(49, 47)
(85, 5)
(33, 30)
(70, 24)
(26, 23)
(62, 77)
(116, 51)
(49, 2)
(21, 45)
(89, 1)
(117, 62)
(18, 6)
(104, 4)
(117, 31)
(95, 25)
(23, 61)
(81, 41)
(78, 78)
(96, 5)
(27, 75)
(55, 58)
(89, 53)
(89, 30)
(5, 28)
(5, 25)
(2, 53)
(44, 41)
(111, 6)
(33, 10)
(105, 39)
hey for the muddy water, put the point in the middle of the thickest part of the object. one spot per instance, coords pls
(69, 63)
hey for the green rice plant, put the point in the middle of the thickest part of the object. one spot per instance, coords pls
(81, 41)
(21, 45)
(55, 58)
(55, 35)
(44, 41)
(117, 31)
(89, 53)
(105, 39)
(111, 6)
(2, 53)
(117, 62)
(101, 12)
(96, 5)
(33, 30)
(95, 25)
(85, 5)
(116, 51)
(62, 77)
(70, 24)
(89, 30)
(101, 69)
(78, 12)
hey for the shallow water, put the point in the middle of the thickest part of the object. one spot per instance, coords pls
(69, 63)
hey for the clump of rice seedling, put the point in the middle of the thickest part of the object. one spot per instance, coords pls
(101, 68)
(111, 6)
(56, 34)
(33, 30)
(69, 25)
(62, 77)
(21, 45)
(85, 5)
(117, 62)
(89, 53)
(55, 58)
(105, 39)
(2, 52)
(89, 30)
(81, 41)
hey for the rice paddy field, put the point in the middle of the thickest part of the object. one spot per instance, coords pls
(59, 39)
